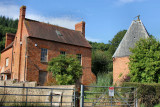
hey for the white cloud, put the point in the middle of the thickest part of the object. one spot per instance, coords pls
(12, 11)
(60, 21)
(93, 39)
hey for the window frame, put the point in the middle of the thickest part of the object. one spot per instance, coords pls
(44, 55)
(79, 57)
(63, 53)
(7, 62)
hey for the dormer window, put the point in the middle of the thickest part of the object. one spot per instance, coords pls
(58, 33)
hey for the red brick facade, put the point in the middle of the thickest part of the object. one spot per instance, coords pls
(120, 69)
(6, 70)
(26, 63)
(54, 49)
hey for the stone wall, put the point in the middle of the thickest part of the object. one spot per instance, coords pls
(61, 93)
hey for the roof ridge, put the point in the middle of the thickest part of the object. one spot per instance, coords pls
(50, 24)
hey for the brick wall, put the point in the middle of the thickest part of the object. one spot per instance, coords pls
(9, 39)
(18, 46)
(4, 55)
(120, 69)
(19, 51)
(34, 55)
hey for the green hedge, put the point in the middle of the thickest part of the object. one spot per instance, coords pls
(147, 93)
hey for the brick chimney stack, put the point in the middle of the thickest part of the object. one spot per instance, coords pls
(22, 12)
(19, 38)
(21, 18)
(80, 27)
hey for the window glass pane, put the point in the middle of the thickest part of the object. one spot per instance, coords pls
(44, 54)
(62, 52)
(79, 57)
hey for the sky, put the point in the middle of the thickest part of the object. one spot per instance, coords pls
(104, 18)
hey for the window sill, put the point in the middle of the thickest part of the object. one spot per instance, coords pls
(44, 62)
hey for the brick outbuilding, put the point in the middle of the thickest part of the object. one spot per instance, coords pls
(26, 54)
(121, 55)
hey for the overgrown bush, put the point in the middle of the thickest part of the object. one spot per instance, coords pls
(148, 93)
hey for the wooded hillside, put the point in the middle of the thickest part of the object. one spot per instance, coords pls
(7, 25)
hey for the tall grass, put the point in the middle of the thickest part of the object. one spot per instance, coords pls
(103, 79)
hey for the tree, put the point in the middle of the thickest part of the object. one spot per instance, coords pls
(7, 25)
(116, 41)
(101, 62)
(99, 46)
(102, 53)
(66, 69)
(144, 62)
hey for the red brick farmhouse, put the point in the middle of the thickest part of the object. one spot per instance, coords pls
(26, 53)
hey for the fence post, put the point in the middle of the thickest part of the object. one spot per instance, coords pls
(26, 95)
(111, 101)
(136, 99)
(82, 96)
(51, 96)
(74, 97)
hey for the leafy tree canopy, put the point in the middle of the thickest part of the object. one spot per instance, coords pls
(102, 53)
(145, 61)
(116, 40)
(99, 46)
(101, 62)
(65, 69)
(7, 25)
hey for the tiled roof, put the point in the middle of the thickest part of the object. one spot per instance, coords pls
(9, 46)
(134, 33)
(55, 33)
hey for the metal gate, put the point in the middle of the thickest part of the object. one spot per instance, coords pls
(101, 96)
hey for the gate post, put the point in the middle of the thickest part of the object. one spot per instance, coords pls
(82, 96)
(135, 98)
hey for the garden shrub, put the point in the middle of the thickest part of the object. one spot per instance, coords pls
(66, 69)
(147, 93)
